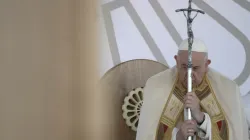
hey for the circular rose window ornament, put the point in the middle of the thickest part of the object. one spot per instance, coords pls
(132, 107)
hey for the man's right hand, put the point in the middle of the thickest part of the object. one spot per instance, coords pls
(188, 128)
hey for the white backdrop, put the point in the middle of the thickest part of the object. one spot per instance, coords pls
(151, 29)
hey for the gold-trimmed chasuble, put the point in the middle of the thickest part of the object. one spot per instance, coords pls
(172, 115)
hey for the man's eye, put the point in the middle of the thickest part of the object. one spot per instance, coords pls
(195, 68)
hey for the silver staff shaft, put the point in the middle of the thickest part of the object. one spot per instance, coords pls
(189, 10)
(188, 115)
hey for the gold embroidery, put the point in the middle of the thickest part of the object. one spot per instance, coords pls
(217, 118)
(174, 109)
(223, 112)
(167, 121)
(209, 104)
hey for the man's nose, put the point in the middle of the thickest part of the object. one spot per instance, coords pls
(193, 75)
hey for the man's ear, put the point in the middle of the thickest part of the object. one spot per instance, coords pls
(208, 62)
(175, 57)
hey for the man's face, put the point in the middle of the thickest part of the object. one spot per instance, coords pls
(200, 67)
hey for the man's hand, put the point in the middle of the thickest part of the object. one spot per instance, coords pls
(188, 128)
(192, 101)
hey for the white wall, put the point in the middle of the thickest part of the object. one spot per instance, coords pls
(226, 36)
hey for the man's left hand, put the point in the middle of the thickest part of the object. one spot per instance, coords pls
(192, 101)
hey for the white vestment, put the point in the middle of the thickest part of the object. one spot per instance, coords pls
(156, 93)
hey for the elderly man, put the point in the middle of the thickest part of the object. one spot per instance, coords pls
(215, 102)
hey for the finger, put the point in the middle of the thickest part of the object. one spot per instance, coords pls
(189, 97)
(193, 126)
(194, 122)
(189, 101)
(189, 122)
(190, 94)
(190, 130)
(185, 98)
(190, 134)
(192, 98)
(190, 105)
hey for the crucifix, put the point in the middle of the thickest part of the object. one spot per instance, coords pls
(187, 13)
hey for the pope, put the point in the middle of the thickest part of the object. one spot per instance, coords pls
(215, 102)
